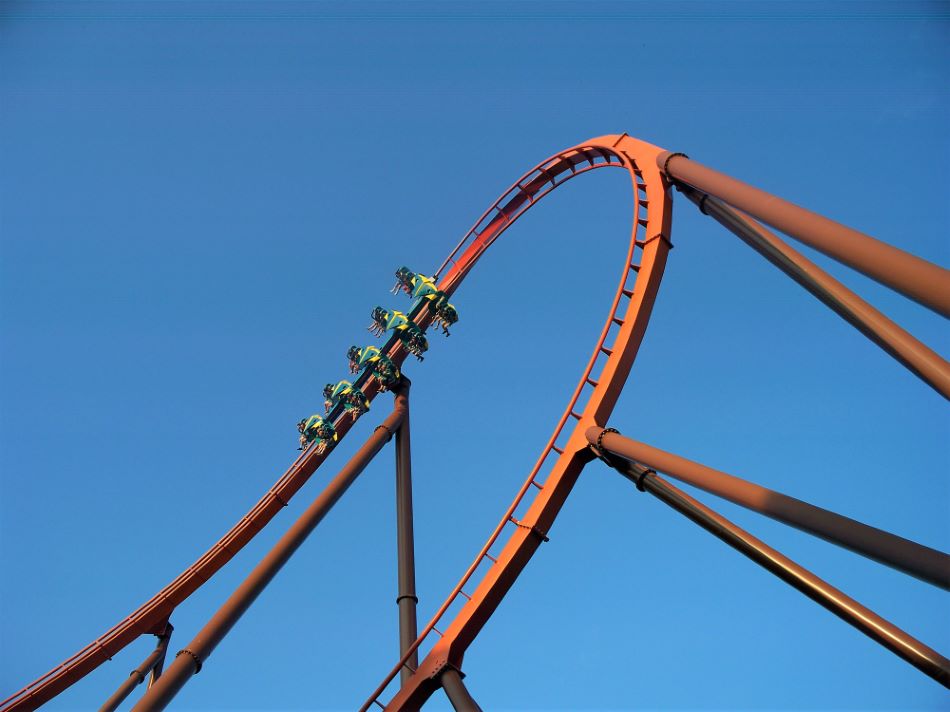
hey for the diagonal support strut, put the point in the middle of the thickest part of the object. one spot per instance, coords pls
(915, 278)
(455, 690)
(907, 556)
(917, 357)
(921, 656)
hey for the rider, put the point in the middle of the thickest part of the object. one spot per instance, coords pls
(420, 287)
(315, 428)
(416, 285)
(353, 399)
(385, 371)
(404, 328)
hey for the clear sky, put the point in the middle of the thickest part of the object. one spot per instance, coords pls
(200, 203)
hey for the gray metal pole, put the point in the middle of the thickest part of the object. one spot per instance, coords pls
(925, 363)
(188, 661)
(921, 656)
(406, 598)
(456, 691)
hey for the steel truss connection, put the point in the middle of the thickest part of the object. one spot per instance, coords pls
(512, 543)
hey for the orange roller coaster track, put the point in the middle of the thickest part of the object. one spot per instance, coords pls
(653, 173)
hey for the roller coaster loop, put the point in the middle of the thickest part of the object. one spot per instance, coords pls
(578, 438)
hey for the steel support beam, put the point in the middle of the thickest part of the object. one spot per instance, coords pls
(160, 664)
(918, 279)
(152, 666)
(921, 656)
(456, 691)
(406, 598)
(920, 561)
(189, 660)
(928, 365)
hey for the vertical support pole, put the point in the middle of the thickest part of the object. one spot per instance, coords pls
(456, 691)
(406, 598)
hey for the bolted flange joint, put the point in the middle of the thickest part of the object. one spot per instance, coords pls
(185, 651)
(598, 448)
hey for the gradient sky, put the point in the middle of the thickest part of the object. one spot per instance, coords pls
(200, 203)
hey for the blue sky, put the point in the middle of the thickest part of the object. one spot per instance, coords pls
(201, 203)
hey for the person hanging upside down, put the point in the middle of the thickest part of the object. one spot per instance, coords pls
(420, 287)
(414, 284)
(315, 428)
(353, 400)
(385, 320)
(380, 366)
(445, 316)
(405, 330)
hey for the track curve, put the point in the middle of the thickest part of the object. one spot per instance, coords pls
(638, 285)
(591, 404)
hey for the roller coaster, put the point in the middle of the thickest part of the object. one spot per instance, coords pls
(582, 435)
